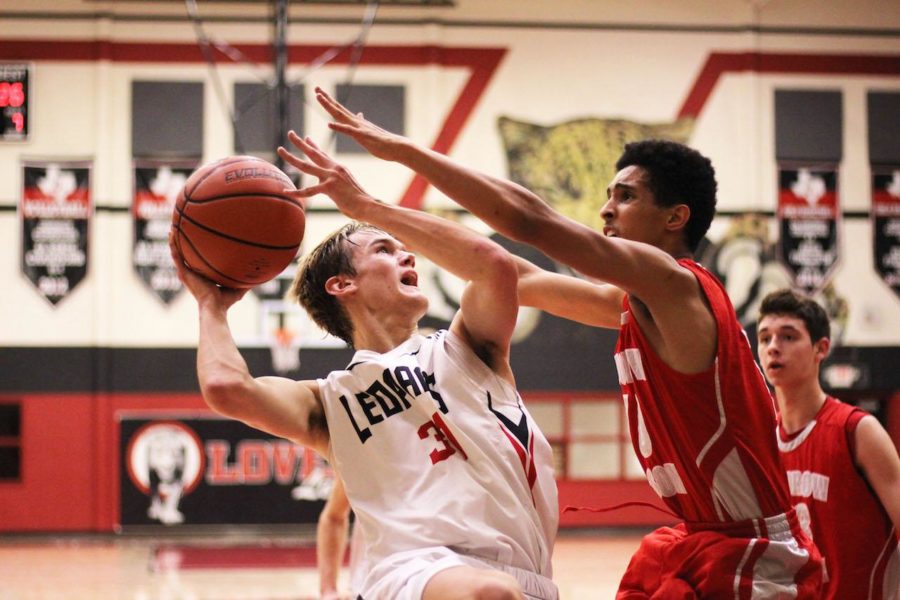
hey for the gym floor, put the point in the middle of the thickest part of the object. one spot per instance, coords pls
(243, 566)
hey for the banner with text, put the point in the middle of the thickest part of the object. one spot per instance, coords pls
(56, 210)
(808, 223)
(886, 224)
(214, 471)
(156, 187)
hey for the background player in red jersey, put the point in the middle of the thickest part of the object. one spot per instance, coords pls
(700, 415)
(843, 469)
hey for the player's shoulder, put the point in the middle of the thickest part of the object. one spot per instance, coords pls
(841, 414)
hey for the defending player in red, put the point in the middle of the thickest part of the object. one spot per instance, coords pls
(700, 415)
(843, 469)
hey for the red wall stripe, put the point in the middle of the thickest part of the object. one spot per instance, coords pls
(483, 63)
(720, 63)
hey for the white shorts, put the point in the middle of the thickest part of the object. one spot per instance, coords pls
(403, 576)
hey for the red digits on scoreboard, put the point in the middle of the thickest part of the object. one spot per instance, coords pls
(11, 94)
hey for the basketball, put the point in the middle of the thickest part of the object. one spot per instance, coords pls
(234, 223)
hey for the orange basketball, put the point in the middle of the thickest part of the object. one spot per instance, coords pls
(235, 225)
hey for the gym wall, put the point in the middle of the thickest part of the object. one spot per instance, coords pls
(771, 91)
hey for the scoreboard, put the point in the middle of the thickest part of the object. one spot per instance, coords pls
(15, 79)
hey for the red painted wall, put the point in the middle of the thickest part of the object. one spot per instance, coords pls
(58, 487)
(70, 472)
(69, 444)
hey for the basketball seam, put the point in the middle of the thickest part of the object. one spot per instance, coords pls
(229, 237)
(207, 263)
(278, 197)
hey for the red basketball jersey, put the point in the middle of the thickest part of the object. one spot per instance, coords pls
(846, 519)
(704, 440)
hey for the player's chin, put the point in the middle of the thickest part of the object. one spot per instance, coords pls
(775, 374)
(416, 297)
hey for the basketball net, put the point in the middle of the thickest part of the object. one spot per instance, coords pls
(285, 352)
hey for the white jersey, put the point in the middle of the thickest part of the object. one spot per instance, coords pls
(436, 450)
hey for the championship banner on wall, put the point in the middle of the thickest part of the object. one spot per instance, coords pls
(214, 471)
(886, 224)
(808, 222)
(56, 211)
(156, 187)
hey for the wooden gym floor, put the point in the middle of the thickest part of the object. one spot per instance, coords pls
(587, 566)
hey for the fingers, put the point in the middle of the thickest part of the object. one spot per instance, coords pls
(321, 173)
(306, 192)
(305, 145)
(310, 149)
(177, 258)
(350, 130)
(334, 108)
(173, 247)
(184, 272)
(333, 177)
(303, 165)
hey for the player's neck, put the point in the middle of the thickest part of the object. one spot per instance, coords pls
(799, 404)
(676, 247)
(382, 335)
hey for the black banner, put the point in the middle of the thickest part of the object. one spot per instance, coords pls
(886, 224)
(212, 471)
(56, 210)
(808, 217)
(156, 187)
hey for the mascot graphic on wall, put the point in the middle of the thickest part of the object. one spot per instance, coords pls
(744, 260)
(165, 462)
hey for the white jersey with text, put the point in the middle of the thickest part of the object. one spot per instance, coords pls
(436, 450)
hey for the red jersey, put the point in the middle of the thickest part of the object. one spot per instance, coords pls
(847, 521)
(704, 440)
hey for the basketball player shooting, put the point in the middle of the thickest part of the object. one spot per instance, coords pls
(452, 502)
(700, 415)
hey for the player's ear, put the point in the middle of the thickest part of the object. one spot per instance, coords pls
(340, 285)
(822, 348)
(678, 217)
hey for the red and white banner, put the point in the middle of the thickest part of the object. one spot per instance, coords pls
(886, 224)
(156, 187)
(55, 211)
(809, 223)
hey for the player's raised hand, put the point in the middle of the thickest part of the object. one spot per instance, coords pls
(335, 180)
(379, 142)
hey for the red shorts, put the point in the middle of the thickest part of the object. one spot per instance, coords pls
(753, 560)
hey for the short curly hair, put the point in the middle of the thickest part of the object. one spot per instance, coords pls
(791, 304)
(331, 257)
(677, 174)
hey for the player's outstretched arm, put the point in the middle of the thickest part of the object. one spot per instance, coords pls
(489, 304)
(877, 456)
(280, 406)
(519, 214)
(568, 297)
